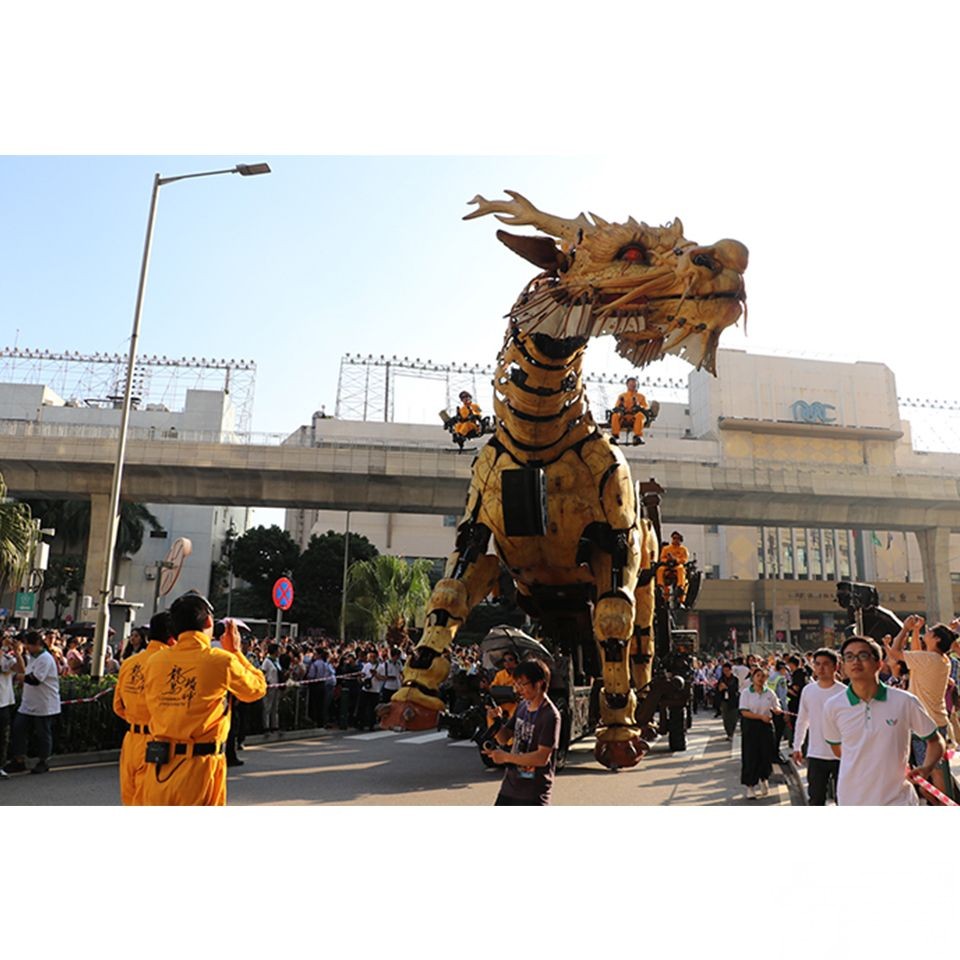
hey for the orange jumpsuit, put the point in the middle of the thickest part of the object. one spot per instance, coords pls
(681, 555)
(186, 689)
(130, 705)
(467, 427)
(631, 402)
(503, 678)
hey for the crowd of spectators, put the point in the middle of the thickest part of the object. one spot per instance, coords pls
(767, 689)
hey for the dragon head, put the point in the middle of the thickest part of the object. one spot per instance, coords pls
(650, 288)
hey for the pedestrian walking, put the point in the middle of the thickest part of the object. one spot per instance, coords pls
(728, 699)
(868, 727)
(758, 705)
(823, 767)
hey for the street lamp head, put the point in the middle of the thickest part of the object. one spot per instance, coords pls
(252, 169)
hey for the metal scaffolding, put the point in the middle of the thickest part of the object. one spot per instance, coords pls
(97, 379)
(366, 387)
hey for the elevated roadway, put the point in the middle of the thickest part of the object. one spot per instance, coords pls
(410, 474)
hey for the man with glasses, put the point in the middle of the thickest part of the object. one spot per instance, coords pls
(531, 763)
(822, 766)
(868, 727)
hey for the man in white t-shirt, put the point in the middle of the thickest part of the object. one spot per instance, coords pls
(869, 725)
(822, 765)
(39, 705)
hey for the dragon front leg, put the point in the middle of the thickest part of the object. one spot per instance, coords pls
(470, 575)
(619, 740)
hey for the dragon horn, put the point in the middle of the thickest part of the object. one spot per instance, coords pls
(519, 211)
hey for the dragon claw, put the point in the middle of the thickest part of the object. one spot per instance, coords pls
(406, 715)
(617, 754)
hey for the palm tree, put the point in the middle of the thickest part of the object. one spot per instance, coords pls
(17, 539)
(386, 594)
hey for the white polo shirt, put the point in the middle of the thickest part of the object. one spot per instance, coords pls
(874, 738)
(813, 698)
(43, 699)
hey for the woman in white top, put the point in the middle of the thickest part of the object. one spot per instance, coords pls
(757, 707)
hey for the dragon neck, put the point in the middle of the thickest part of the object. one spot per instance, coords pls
(539, 400)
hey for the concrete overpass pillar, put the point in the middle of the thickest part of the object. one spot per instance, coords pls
(96, 557)
(935, 554)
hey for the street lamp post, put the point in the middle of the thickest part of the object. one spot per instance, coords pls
(113, 525)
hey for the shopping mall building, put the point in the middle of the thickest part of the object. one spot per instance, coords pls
(822, 430)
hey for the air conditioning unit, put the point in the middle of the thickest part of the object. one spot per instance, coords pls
(150, 571)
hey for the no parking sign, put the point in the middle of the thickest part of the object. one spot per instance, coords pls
(283, 594)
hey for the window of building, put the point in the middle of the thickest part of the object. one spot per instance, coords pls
(450, 520)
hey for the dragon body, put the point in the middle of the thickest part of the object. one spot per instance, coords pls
(551, 499)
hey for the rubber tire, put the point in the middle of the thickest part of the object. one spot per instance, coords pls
(676, 728)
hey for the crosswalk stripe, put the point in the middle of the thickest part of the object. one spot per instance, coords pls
(376, 735)
(427, 737)
(462, 743)
(735, 747)
(696, 747)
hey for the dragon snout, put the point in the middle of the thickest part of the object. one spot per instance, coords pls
(726, 254)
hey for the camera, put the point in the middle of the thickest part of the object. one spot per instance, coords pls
(472, 724)
(857, 596)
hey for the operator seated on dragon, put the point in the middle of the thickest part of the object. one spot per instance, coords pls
(467, 422)
(629, 413)
(655, 292)
(673, 556)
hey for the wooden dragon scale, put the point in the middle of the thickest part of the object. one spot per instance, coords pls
(655, 292)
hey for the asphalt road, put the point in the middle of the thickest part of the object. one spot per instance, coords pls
(389, 769)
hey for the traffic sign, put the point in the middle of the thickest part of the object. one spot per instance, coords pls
(283, 594)
(25, 605)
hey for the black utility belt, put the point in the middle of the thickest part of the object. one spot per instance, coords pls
(138, 728)
(162, 751)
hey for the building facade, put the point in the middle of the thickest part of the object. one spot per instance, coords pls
(205, 413)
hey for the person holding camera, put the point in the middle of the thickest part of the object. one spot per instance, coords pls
(531, 763)
(129, 704)
(369, 692)
(186, 688)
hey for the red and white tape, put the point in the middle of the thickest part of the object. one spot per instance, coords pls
(930, 789)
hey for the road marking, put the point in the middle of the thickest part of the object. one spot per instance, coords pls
(699, 747)
(462, 743)
(376, 735)
(735, 747)
(427, 737)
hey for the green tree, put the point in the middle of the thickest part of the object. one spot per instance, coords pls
(318, 580)
(17, 539)
(260, 557)
(386, 595)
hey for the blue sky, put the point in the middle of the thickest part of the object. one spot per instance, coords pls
(327, 256)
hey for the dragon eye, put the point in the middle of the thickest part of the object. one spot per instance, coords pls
(632, 253)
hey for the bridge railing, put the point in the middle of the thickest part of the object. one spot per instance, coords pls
(651, 453)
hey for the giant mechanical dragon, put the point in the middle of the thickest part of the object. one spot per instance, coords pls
(550, 491)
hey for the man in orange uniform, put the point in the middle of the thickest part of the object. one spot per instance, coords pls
(629, 412)
(186, 689)
(677, 552)
(129, 705)
(504, 678)
(468, 417)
